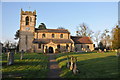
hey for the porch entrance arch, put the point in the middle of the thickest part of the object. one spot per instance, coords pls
(50, 49)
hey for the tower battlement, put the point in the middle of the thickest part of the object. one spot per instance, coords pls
(28, 12)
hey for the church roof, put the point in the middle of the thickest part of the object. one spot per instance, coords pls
(45, 41)
(52, 30)
(81, 40)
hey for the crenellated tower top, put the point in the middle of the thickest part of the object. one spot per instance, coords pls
(28, 12)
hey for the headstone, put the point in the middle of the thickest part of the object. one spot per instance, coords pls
(75, 66)
(100, 50)
(68, 62)
(118, 52)
(71, 63)
(10, 58)
(105, 50)
(22, 54)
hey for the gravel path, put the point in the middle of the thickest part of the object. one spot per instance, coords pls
(53, 66)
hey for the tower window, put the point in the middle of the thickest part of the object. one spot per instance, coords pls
(27, 20)
(43, 35)
(53, 35)
(61, 36)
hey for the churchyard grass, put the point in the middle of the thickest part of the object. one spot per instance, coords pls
(90, 65)
(33, 65)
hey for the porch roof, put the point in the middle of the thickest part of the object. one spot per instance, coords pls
(45, 41)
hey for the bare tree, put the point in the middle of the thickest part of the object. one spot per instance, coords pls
(83, 30)
(105, 37)
(60, 28)
(96, 37)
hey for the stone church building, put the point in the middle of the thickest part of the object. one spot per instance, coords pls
(48, 40)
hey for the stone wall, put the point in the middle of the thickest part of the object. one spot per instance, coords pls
(54, 46)
(49, 35)
(84, 47)
(25, 42)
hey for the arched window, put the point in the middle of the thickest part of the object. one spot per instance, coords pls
(27, 20)
(53, 35)
(87, 46)
(43, 35)
(61, 36)
(81, 46)
(39, 46)
(67, 46)
(58, 46)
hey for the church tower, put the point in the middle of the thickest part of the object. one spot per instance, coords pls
(27, 29)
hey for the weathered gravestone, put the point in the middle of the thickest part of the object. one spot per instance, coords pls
(10, 57)
(71, 63)
(118, 52)
(105, 50)
(75, 66)
(68, 61)
(22, 54)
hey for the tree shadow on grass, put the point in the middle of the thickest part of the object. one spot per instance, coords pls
(70, 54)
(106, 67)
(31, 69)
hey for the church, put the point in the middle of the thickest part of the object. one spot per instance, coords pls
(43, 40)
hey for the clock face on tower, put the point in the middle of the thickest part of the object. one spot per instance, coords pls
(27, 28)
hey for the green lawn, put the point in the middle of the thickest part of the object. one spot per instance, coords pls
(32, 66)
(91, 65)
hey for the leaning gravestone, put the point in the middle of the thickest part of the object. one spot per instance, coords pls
(10, 57)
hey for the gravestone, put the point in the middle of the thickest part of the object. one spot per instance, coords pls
(75, 66)
(22, 54)
(71, 63)
(10, 57)
(105, 50)
(118, 52)
(100, 50)
(68, 62)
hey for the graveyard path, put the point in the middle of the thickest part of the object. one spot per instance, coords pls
(54, 69)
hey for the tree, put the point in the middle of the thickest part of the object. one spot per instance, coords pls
(105, 38)
(42, 26)
(116, 38)
(84, 30)
(101, 46)
(17, 35)
(60, 28)
(96, 37)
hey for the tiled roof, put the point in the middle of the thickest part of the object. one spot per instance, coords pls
(45, 41)
(52, 30)
(81, 40)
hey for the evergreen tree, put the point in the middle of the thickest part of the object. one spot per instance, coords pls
(17, 35)
(42, 26)
(101, 46)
